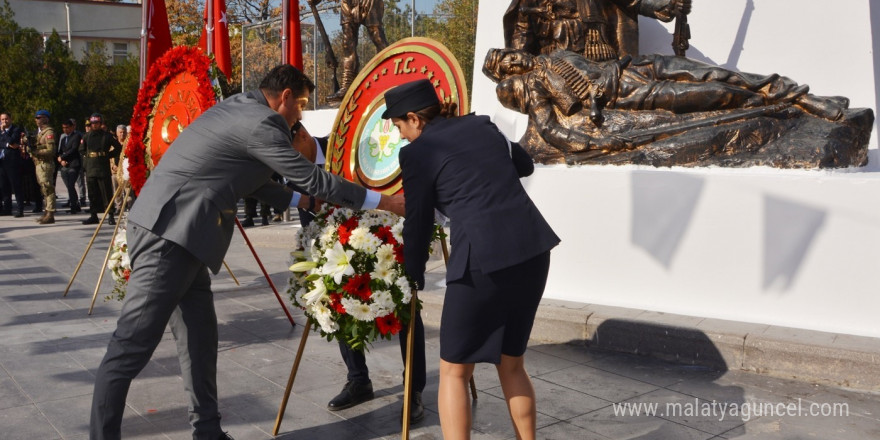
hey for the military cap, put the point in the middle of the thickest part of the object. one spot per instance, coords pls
(42, 113)
(409, 97)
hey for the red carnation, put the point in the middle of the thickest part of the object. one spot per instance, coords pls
(126, 273)
(336, 303)
(388, 324)
(384, 234)
(398, 254)
(359, 286)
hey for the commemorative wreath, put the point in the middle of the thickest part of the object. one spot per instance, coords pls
(180, 65)
(348, 275)
(176, 61)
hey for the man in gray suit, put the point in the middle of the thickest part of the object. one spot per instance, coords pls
(181, 226)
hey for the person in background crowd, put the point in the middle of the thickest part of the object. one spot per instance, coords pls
(69, 159)
(45, 154)
(121, 136)
(98, 150)
(466, 169)
(81, 182)
(10, 166)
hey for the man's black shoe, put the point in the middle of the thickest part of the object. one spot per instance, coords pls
(93, 220)
(416, 409)
(353, 393)
(225, 436)
(19, 214)
(265, 221)
(248, 222)
(112, 221)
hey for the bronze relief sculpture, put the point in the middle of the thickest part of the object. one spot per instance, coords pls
(602, 103)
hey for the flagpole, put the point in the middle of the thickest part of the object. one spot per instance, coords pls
(285, 32)
(145, 5)
(209, 27)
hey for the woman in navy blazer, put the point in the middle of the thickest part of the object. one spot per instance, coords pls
(466, 169)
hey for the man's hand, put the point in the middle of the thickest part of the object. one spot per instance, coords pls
(395, 204)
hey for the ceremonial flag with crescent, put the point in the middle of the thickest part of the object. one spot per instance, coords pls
(219, 30)
(158, 31)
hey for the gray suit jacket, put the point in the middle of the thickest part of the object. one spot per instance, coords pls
(227, 153)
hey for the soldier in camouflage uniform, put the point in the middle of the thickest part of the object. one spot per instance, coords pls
(44, 152)
(98, 149)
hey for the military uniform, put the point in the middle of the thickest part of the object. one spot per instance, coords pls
(44, 153)
(98, 147)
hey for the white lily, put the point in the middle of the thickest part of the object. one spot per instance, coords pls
(317, 294)
(303, 266)
(338, 262)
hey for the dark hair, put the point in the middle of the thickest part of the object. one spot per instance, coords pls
(445, 109)
(285, 76)
(69, 122)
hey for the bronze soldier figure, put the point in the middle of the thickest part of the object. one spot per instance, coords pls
(353, 15)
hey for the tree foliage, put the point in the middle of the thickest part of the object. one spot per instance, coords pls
(41, 73)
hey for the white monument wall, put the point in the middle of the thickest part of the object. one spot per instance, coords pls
(785, 247)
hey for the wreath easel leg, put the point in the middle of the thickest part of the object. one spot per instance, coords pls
(230, 273)
(407, 370)
(293, 369)
(265, 274)
(91, 242)
(109, 248)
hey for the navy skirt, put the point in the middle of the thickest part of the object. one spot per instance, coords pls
(487, 315)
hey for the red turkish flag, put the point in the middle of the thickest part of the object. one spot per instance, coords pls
(158, 31)
(220, 40)
(293, 54)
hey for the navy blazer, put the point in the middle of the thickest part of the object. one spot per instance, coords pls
(465, 168)
(68, 149)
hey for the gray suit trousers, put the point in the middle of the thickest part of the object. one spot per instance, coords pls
(168, 284)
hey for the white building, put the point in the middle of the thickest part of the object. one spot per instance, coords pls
(82, 23)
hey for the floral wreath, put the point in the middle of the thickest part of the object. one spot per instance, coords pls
(348, 275)
(175, 61)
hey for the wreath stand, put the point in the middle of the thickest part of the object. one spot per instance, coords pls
(407, 375)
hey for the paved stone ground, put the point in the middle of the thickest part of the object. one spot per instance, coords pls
(50, 349)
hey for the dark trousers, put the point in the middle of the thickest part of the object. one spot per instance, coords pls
(10, 182)
(168, 284)
(100, 192)
(69, 176)
(250, 208)
(356, 361)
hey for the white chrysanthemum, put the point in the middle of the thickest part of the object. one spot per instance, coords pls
(324, 318)
(125, 260)
(342, 214)
(358, 238)
(327, 236)
(385, 255)
(385, 273)
(338, 262)
(397, 231)
(384, 300)
(299, 296)
(357, 309)
(403, 284)
(371, 243)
